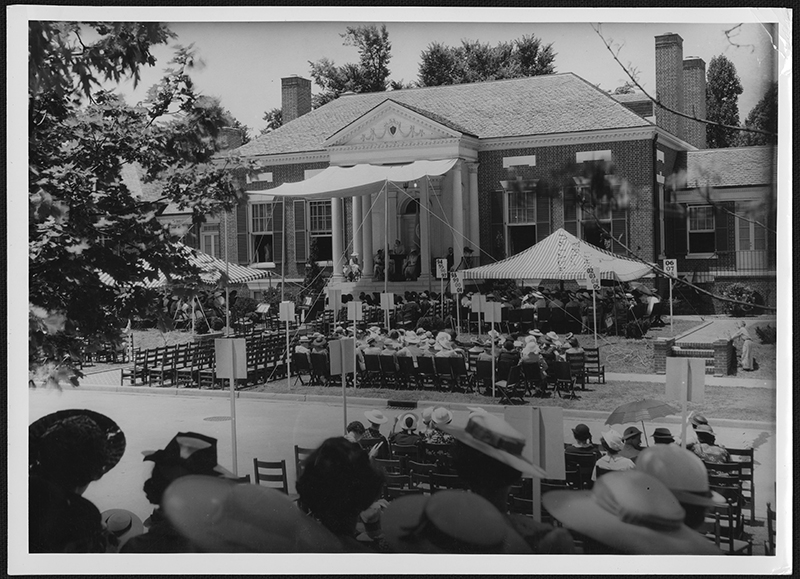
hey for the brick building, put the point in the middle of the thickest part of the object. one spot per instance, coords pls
(505, 140)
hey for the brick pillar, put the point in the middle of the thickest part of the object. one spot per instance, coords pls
(724, 358)
(662, 349)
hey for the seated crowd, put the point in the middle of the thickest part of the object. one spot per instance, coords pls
(652, 504)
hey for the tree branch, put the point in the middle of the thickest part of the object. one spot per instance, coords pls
(657, 269)
(669, 109)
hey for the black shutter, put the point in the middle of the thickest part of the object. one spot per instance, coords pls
(571, 211)
(300, 236)
(721, 225)
(277, 232)
(542, 215)
(241, 234)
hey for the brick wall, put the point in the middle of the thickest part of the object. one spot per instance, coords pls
(694, 100)
(633, 160)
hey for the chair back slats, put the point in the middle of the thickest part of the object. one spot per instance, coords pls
(271, 474)
(300, 455)
(592, 366)
(745, 458)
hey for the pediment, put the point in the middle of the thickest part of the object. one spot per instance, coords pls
(391, 124)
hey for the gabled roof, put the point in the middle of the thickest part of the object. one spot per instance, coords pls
(539, 105)
(733, 167)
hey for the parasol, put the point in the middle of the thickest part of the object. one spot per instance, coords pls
(639, 411)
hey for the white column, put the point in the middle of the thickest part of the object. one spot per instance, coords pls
(474, 211)
(338, 240)
(358, 230)
(457, 220)
(425, 229)
(366, 235)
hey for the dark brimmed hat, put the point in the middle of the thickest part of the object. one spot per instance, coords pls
(75, 431)
(497, 439)
(663, 434)
(629, 511)
(630, 432)
(195, 452)
(705, 432)
(582, 432)
(450, 521)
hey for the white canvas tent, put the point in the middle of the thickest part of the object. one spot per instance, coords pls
(337, 182)
(562, 256)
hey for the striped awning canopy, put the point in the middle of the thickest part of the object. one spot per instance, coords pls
(562, 256)
(212, 270)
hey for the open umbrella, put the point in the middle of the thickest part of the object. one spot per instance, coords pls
(639, 411)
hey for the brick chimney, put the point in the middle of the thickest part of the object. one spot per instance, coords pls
(694, 100)
(295, 97)
(229, 138)
(669, 82)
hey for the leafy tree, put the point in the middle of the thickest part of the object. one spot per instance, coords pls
(474, 61)
(627, 88)
(722, 102)
(370, 74)
(764, 116)
(84, 222)
(274, 120)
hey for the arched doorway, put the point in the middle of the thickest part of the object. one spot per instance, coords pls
(408, 226)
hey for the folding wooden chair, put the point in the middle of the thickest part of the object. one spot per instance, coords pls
(373, 374)
(404, 453)
(301, 366)
(388, 371)
(535, 382)
(300, 455)
(461, 377)
(138, 371)
(744, 457)
(426, 373)
(577, 363)
(584, 464)
(398, 485)
(271, 474)
(592, 366)
(564, 381)
(444, 371)
(440, 481)
(407, 372)
(727, 521)
(321, 367)
(511, 390)
(388, 465)
(420, 474)
(769, 544)
(483, 375)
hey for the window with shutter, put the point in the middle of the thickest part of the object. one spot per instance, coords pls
(702, 235)
(241, 235)
(321, 228)
(266, 230)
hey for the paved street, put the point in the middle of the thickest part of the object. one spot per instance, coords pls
(269, 429)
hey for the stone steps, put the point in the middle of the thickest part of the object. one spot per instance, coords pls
(696, 350)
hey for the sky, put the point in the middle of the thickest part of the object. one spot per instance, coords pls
(244, 61)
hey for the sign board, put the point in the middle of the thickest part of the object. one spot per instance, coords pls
(686, 375)
(671, 267)
(355, 313)
(334, 300)
(230, 356)
(342, 353)
(286, 311)
(457, 282)
(492, 312)
(593, 280)
(478, 301)
(441, 268)
(387, 301)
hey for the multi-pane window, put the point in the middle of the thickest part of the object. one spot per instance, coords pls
(701, 229)
(320, 219)
(528, 219)
(266, 228)
(607, 231)
(209, 239)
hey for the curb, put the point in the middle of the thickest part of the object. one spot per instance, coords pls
(358, 401)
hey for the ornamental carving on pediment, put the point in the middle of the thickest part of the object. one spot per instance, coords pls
(392, 129)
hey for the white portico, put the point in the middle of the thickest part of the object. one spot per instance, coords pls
(410, 177)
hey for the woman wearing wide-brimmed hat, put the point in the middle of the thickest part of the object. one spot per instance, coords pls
(628, 512)
(72, 448)
(488, 457)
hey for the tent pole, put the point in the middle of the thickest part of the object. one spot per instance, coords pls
(386, 245)
(594, 313)
(227, 289)
(283, 248)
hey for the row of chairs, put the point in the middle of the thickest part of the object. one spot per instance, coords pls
(193, 363)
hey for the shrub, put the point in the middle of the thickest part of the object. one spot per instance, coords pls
(242, 307)
(742, 293)
(767, 334)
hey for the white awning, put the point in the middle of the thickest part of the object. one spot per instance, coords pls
(355, 181)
